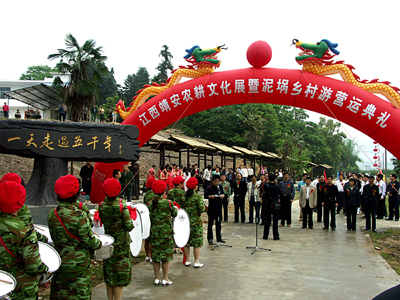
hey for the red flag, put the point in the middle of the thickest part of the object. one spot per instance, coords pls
(325, 175)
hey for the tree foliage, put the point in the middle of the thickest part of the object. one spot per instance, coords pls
(396, 164)
(298, 159)
(164, 66)
(82, 89)
(134, 83)
(37, 73)
(280, 129)
(108, 86)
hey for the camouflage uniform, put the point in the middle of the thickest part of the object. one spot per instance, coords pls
(118, 268)
(86, 210)
(22, 241)
(194, 207)
(146, 199)
(161, 232)
(148, 196)
(176, 195)
(73, 279)
(25, 216)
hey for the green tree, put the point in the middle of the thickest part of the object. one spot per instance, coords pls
(134, 83)
(82, 89)
(396, 164)
(298, 159)
(255, 125)
(108, 86)
(164, 66)
(285, 150)
(110, 103)
(349, 157)
(37, 73)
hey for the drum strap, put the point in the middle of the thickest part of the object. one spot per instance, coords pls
(8, 250)
(121, 206)
(59, 219)
(80, 205)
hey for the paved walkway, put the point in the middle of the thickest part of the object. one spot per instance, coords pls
(304, 264)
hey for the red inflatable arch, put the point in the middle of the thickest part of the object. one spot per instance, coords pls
(369, 114)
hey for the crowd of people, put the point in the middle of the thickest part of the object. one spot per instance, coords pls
(94, 114)
(70, 223)
(29, 114)
(270, 196)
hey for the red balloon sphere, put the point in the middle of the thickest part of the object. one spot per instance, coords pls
(375, 157)
(259, 54)
(376, 150)
(375, 165)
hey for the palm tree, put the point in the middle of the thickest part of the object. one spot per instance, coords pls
(290, 140)
(85, 65)
(255, 127)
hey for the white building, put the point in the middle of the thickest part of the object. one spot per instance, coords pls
(30, 95)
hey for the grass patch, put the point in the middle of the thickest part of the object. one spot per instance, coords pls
(387, 243)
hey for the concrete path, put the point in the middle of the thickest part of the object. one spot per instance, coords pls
(304, 264)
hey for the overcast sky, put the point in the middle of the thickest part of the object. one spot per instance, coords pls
(133, 32)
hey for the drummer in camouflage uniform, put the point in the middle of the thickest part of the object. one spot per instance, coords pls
(194, 206)
(73, 239)
(19, 254)
(161, 232)
(117, 223)
(146, 199)
(177, 194)
(24, 213)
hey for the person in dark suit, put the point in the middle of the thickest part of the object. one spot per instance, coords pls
(393, 192)
(215, 194)
(330, 203)
(272, 193)
(371, 198)
(239, 190)
(352, 201)
(320, 197)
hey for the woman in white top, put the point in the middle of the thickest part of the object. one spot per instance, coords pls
(185, 176)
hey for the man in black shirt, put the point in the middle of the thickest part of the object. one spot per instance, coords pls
(86, 175)
(330, 203)
(320, 197)
(393, 192)
(239, 190)
(272, 193)
(215, 194)
(371, 198)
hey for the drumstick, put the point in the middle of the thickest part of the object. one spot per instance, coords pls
(95, 233)
(39, 228)
(5, 281)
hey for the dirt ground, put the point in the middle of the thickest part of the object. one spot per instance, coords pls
(387, 243)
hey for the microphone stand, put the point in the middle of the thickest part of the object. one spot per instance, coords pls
(218, 243)
(256, 247)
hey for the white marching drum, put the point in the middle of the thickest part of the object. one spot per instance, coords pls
(136, 236)
(181, 228)
(7, 284)
(145, 217)
(43, 229)
(51, 259)
(107, 248)
(97, 227)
